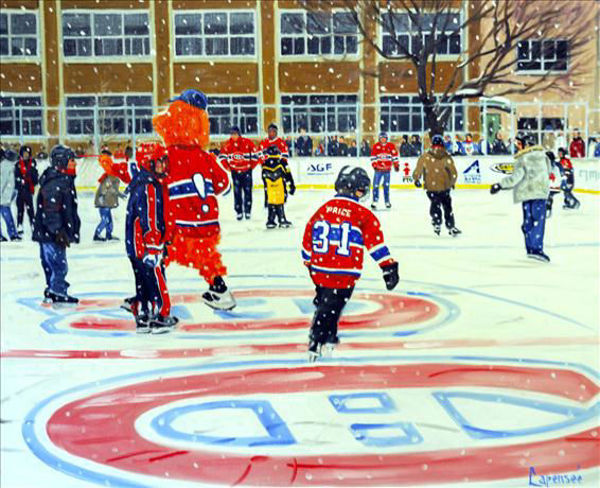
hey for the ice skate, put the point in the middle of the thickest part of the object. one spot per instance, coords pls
(374, 206)
(128, 304)
(219, 301)
(112, 238)
(247, 216)
(162, 325)
(388, 205)
(437, 229)
(271, 225)
(539, 256)
(285, 224)
(239, 216)
(59, 301)
(454, 232)
(99, 239)
(142, 324)
(314, 351)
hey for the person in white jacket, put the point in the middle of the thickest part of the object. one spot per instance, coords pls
(530, 182)
(7, 188)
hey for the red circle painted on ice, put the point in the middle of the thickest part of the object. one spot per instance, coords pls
(393, 311)
(100, 427)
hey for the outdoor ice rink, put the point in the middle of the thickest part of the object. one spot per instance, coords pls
(481, 368)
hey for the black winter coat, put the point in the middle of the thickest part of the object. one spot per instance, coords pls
(29, 180)
(56, 207)
(304, 146)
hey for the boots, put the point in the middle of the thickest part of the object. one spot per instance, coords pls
(283, 221)
(271, 214)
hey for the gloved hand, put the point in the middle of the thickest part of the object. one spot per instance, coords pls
(390, 275)
(396, 169)
(495, 188)
(151, 260)
(418, 183)
(62, 239)
(292, 188)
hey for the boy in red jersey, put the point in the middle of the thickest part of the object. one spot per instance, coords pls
(333, 248)
(239, 156)
(384, 155)
(568, 180)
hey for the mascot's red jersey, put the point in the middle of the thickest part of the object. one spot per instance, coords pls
(194, 180)
(278, 142)
(383, 156)
(239, 155)
(334, 242)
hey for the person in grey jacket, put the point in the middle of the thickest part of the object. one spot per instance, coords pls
(107, 198)
(530, 182)
(7, 193)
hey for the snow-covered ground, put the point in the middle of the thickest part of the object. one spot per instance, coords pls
(481, 367)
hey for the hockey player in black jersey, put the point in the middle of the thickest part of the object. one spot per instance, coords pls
(278, 181)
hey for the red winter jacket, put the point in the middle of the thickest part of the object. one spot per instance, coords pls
(383, 156)
(239, 155)
(279, 142)
(577, 148)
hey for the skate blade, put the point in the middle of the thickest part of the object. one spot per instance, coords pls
(313, 357)
(161, 330)
(215, 306)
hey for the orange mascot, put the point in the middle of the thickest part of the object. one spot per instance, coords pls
(194, 180)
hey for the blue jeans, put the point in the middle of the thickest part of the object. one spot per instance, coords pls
(534, 221)
(106, 222)
(8, 219)
(54, 263)
(379, 176)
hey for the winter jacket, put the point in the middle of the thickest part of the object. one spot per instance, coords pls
(56, 207)
(304, 146)
(577, 148)
(498, 147)
(437, 168)
(7, 182)
(26, 173)
(107, 195)
(530, 179)
(239, 155)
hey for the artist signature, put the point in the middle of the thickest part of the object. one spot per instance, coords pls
(565, 479)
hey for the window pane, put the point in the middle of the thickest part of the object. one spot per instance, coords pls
(318, 23)
(80, 101)
(217, 45)
(76, 25)
(4, 24)
(136, 24)
(292, 23)
(215, 23)
(188, 24)
(242, 45)
(188, 46)
(4, 46)
(299, 45)
(343, 23)
(287, 45)
(108, 25)
(351, 44)
(22, 24)
(242, 23)
(108, 47)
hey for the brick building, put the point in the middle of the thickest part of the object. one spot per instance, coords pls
(102, 67)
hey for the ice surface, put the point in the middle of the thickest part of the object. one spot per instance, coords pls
(509, 356)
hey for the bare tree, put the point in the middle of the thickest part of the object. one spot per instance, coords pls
(418, 31)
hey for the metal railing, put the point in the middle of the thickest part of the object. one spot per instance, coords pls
(91, 128)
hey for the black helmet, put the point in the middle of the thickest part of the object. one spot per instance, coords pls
(60, 156)
(272, 126)
(437, 140)
(350, 180)
(272, 151)
(526, 139)
(562, 151)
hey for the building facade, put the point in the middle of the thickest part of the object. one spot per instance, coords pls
(77, 69)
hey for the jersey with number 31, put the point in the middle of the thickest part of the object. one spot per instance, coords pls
(334, 242)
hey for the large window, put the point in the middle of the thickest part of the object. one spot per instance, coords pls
(542, 55)
(21, 114)
(405, 114)
(400, 33)
(226, 112)
(88, 34)
(215, 33)
(18, 34)
(318, 33)
(109, 114)
(319, 113)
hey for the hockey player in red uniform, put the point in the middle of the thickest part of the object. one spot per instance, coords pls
(568, 180)
(384, 155)
(239, 156)
(333, 249)
(195, 179)
(146, 232)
